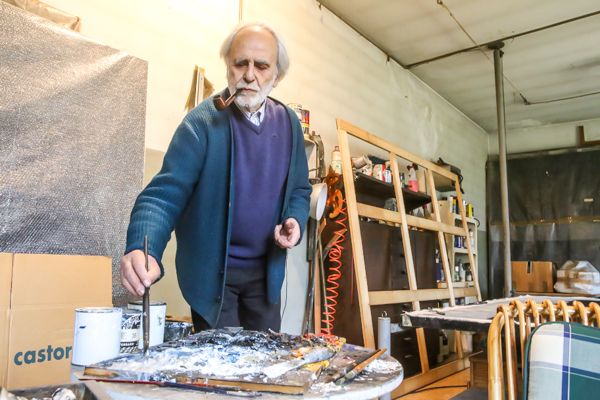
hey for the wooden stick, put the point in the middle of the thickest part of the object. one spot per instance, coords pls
(359, 368)
(202, 387)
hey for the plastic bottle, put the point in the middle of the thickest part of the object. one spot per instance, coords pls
(336, 160)
(413, 184)
(472, 239)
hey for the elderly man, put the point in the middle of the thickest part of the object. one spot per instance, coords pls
(234, 187)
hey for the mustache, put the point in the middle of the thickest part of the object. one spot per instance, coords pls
(253, 86)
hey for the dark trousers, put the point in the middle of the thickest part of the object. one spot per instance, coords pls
(245, 303)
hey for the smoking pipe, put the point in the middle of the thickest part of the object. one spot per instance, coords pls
(221, 104)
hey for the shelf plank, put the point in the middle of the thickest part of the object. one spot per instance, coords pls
(460, 250)
(368, 211)
(434, 226)
(469, 220)
(405, 296)
(443, 285)
(375, 187)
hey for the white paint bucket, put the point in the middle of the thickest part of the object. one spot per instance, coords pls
(158, 310)
(97, 335)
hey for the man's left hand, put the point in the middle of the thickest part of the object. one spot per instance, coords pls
(288, 234)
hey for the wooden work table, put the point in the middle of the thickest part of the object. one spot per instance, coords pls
(368, 385)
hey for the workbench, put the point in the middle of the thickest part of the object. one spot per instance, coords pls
(367, 385)
(474, 317)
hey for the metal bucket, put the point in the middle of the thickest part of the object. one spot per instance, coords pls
(158, 310)
(97, 335)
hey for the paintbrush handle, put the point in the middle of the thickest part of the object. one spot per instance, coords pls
(343, 371)
(359, 368)
(146, 304)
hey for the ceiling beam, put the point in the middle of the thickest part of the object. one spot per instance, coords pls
(413, 65)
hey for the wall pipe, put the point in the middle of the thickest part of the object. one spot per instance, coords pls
(499, 77)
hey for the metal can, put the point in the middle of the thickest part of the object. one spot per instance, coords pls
(297, 109)
(305, 119)
(387, 175)
(131, 323)
(96, 334)
(158, 310)
(305, 122)
(378, 171)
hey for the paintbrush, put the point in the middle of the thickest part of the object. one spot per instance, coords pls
(359, 368)
(221, 104)
(146, 305)
(343, 371)
(201, 387)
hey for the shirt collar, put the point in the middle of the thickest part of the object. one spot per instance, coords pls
(256, 117)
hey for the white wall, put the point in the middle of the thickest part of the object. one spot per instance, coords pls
(546, 137)
(335, 73)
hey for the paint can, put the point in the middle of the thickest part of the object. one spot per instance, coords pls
(360, 161)
(131, 327)
(305, 122)
(378, 171)
(158, 310)
(297, 109)
(402, 184)
(97, 335)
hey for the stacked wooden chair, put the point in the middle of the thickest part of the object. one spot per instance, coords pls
(561, 359)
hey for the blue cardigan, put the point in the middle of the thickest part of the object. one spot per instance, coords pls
(193, 195)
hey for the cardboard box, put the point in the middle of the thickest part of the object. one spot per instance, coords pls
(533, 276)
(5, 282)
(44, 292)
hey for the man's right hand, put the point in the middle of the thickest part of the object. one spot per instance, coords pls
(134, 277)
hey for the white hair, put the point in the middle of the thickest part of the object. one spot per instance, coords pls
(283, 60)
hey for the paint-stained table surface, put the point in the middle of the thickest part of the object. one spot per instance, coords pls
(370, 384)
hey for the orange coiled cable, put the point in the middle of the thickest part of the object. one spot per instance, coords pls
(334, 274)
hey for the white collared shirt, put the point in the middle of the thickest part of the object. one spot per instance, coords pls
(256, 117)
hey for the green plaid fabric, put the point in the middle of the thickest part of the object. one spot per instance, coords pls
(562, 362)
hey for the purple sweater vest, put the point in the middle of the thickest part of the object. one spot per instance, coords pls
(261, 163)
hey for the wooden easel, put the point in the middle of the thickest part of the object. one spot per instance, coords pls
(369, 298)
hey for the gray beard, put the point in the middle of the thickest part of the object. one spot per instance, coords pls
(255, 100)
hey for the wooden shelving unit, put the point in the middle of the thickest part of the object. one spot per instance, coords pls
(413, 295)
(458, 253)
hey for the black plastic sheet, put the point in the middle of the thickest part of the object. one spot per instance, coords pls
(554, 206)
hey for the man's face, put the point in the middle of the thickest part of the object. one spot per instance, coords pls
(252, 66)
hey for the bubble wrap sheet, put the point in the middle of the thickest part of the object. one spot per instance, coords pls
(72, 123)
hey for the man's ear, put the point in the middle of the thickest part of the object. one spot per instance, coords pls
(277, 78)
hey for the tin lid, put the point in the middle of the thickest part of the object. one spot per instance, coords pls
(97, 310)
(131, 311)
(152, 303)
